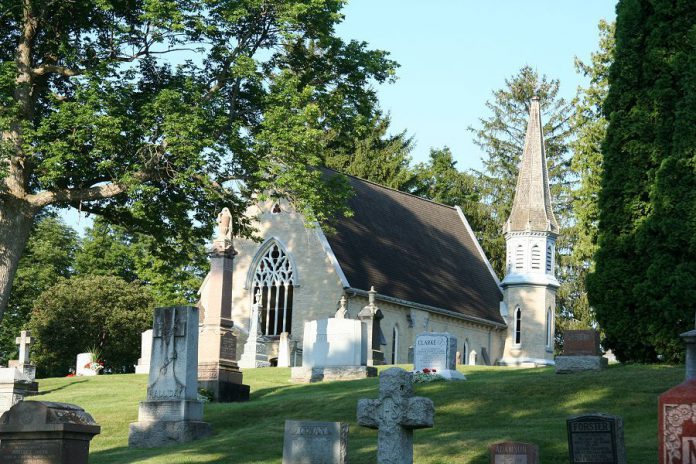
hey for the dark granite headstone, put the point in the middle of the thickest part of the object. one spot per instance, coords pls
(581, 343)
(47, 433)
(312, 442)
(514, 452)
(597, 439)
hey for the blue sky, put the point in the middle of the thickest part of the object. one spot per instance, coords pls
(454, 53)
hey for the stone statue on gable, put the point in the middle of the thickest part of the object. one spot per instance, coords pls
(224, 221)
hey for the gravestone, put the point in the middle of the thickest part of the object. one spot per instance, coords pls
(284, 350)
(41, 432)
(143, 366)
(437, 351)
(24, 342)
(82, 363)
(14, 386)
(677, 413)
(580, 352)
(254, 354)
(172, 413)
(513, 452)
(395, 414)
(333, 349)
(311, 442)
(596, 438)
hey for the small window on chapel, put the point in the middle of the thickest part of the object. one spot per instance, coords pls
(518, 326)
(276, 208)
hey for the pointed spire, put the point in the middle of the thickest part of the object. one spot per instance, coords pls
(531, 208)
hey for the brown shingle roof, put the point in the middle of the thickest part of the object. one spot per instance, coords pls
(415, 250)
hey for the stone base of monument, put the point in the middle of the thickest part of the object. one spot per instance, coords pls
(162, 423)
(570, 364)
(14, 386)
(223, 381)
(450, 374)
(144, 369)
(320, 374)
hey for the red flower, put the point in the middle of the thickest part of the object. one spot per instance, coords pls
(70, 375)
(434, 370)
(426, 371)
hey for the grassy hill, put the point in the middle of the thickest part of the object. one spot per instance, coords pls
(493, 404)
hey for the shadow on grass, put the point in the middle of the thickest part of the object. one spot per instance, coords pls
(62, 387)
(529, 405)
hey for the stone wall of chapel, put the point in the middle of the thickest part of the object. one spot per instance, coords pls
(476, 335)
(533, 301)
(320, 287)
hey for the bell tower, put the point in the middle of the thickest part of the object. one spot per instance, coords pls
(529, 286)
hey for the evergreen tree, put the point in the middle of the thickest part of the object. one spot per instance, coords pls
(586, 164)
(374, 155)
(501, 137)
(644, 287)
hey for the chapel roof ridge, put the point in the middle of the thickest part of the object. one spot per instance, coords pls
(377, 184)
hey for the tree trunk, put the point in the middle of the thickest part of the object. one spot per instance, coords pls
(16, 219)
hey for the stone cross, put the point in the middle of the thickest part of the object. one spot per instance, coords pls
(395, 414)
(24, 341)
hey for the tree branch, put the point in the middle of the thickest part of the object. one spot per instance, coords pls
(98, 192)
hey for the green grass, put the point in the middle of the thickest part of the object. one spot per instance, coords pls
(493, 404)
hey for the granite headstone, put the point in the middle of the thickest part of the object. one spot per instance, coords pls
(514, 452)
(312, 442)
(437, 351)
(596, 438)
(42, 432)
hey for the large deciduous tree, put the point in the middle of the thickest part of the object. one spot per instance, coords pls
(156, 114)
(644, 287)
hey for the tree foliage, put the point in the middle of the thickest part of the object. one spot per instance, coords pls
(586, 165)
(49, 256)
(111, 250)
(90, 311)
(644, 287)
(156, 114)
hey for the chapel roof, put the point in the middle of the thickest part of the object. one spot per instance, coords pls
(531, 208)
(415, 250)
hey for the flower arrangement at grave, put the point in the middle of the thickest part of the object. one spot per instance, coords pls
(96, 364)
(427, 375)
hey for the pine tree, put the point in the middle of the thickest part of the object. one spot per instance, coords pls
(644, 287)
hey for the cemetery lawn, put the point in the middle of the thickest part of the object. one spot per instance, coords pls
(494, 404)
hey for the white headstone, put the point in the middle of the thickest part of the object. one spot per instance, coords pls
(333, 342)
(83, 363)
(437, 351)
(284, 350)
(143, 366)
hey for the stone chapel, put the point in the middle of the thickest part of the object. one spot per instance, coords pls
(425, 266)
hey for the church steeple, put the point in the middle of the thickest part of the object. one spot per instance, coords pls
(531, 208)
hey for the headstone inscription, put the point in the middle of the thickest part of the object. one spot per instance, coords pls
(34, 432)
(596, 438)
(312, 442)
(580, 352)
(395, 414)
(172, 413)
(677, 413)
(143, 366)
(514, 452)
(437, 351)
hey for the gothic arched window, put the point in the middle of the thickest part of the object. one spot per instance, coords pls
(518, 326)
(273, 285)
(536, 257)
(549, 327)
(395, 345)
